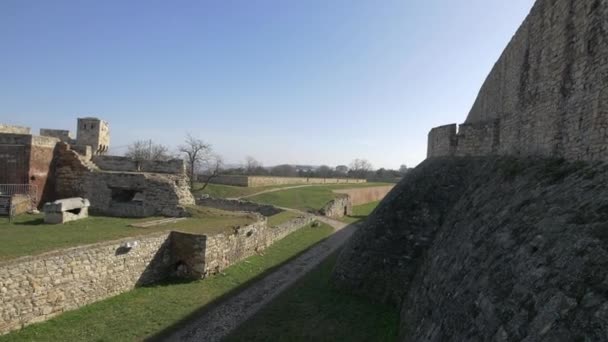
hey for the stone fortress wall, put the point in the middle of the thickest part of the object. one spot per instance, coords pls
(548, 93)
(10, 129)
(36, 288)
(118, 163)
(255, 181)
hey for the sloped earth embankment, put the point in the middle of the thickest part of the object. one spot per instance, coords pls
(489, 249)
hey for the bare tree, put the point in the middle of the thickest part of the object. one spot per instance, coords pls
(197, 153)
(212, 169)
(360, 167)
(251, 165)
(147, 150)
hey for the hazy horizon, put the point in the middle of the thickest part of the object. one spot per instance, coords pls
(308, 83)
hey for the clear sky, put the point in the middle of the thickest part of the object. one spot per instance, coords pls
(285, 81)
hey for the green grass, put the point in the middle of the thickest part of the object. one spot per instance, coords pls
(310, 198)
(360, 212)
(229, 191)
(312, 310)
(148, 310)
(28, 235)
(282, 217)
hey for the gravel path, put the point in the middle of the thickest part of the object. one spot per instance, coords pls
(224, 317)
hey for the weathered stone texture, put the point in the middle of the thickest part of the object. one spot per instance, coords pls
(10, 129)
(338, 207)
(489, 250)
(117, 163)
(61, 134)
(255, 181)
(33, 289)
(547, 94)
(128, 194)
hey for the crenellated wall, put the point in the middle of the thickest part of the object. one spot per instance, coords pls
(547, 95)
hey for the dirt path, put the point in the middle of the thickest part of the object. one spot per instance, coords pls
(223, 318)
(273, 190)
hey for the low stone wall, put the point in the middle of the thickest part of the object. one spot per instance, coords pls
(196, 256)
(34, 289)
(238, 205)
(366, 195)
(338, 207)
(118, 163)
(255, 181)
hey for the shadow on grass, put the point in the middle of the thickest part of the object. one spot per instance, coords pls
(167, 332)
(32, 222)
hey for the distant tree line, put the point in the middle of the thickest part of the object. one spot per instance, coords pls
(203, 164)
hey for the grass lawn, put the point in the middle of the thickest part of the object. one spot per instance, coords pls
(229, 191)
(145, 311)
(28, 235)
(360, 212)
(282, 217)
(312, 310)
(310, 198)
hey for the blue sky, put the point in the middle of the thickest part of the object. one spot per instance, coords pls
(285, 81)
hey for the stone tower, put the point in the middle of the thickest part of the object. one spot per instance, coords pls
(95, 133)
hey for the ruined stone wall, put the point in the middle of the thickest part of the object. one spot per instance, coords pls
(238, 205)
(255, 181)
(156, 194)
(548, 92)
(360, 196)
(36, 288)
(10, 129)
(200, 256)
(118, 163)
(42, 167)
(125, 194)
(61, 134)
(338, 207)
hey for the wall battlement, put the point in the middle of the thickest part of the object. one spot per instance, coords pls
(547, 95)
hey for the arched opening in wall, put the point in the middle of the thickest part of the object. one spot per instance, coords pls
(75, 211)
(345, 211)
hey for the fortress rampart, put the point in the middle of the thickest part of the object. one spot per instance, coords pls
(548, 93)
